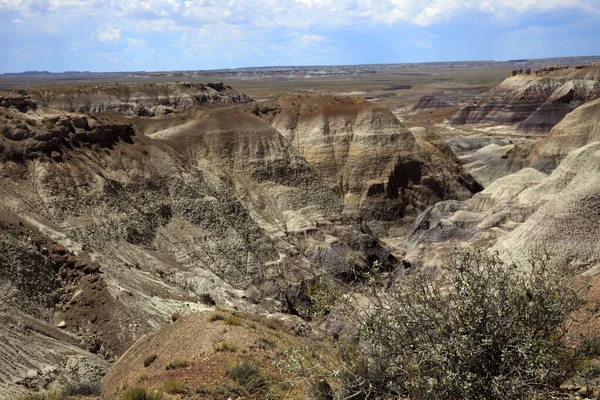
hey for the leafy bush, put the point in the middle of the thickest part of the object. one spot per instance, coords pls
(484, 330)
(142, 393)
(177, 364)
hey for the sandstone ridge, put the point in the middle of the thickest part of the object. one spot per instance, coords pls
(366, 156)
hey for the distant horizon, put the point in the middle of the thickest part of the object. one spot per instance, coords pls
(298, 66)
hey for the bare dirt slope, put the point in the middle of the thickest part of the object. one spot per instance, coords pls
(521, 214)
(580, 127)
(211, 344)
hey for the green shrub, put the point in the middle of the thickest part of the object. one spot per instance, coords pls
(177, 364)
(142, 393)
(248, 376)
(149, 360)
(486, 329)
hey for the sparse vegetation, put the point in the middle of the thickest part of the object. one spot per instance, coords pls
(149, 360)
(206, 298)
(71, 389)
(248, 376)
(174, 387)
(81, 389)
(225, 346)
(233, 320)
(177, 364)
(142, 393)
(47, 395)
(216, 316)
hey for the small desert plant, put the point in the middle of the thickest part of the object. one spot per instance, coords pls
(205, 390)
(142, 393)
(233, 321)
(149, 360)
(225, 346)
(47, 395)
(248, 376)
(206, 298)
(174, 387)
(216, 317)
(484, 329)
(81, 389)
(177, 364)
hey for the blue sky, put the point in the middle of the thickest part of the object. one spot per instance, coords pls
(153, 35)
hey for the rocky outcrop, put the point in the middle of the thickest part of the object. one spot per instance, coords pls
(365, 155)
(536, 102)
(17, 101)
(135, 99)
(52, 136)
(37, 277)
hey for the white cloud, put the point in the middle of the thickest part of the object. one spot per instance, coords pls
(16, 21)
(307, 40)
(296, 15)
(110, 35)
(135, 42)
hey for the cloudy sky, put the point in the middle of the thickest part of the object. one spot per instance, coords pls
(154, 35)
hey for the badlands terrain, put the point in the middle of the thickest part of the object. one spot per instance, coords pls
(155, 233)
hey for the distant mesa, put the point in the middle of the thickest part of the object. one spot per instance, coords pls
(534, 101)
(430, 102)
(136, 99)
(397, 87)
